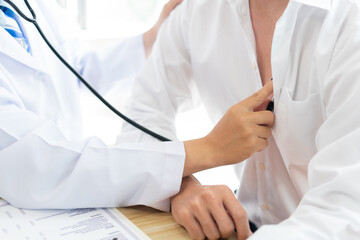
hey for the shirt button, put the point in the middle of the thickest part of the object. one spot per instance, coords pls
(262, 166)
(254, 65)
(265, 207)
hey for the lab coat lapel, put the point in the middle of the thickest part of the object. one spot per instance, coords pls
(9, 47)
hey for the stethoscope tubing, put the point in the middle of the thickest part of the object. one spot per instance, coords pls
(87, 85)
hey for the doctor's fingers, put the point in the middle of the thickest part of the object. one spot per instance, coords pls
(257, 99)
(264, 118)
(173, 3)
(169, 6)
(263, 132)
(261, 144)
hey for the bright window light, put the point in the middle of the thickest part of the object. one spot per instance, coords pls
(107, 19)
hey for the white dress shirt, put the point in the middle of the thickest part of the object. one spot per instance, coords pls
(44, 161)
(304, 185)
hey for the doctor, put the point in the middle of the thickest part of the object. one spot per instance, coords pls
(45, 163)
(304, 185)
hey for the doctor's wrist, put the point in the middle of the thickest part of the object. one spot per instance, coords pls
(149, 38)
(199, 156)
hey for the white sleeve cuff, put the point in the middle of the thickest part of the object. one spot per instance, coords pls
(173, 174)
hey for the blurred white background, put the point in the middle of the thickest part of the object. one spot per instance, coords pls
(107, 20)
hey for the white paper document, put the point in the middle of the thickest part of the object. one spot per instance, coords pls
(77, 224)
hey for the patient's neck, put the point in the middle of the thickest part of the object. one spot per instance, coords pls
(264, 15)
(270, 9)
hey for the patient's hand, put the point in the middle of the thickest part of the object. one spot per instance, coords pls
(211, 212)
(150, 36)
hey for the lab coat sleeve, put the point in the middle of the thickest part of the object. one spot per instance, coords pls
(40, 168)
(330, 209)
(166, 84)
(105, 67)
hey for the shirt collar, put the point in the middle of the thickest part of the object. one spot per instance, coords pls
(324, 4)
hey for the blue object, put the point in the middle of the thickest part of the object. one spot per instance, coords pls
(16, 31)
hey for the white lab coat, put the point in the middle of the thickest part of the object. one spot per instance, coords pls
(44, 162)
(304, 185)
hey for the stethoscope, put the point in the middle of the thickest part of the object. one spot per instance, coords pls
(106, 103)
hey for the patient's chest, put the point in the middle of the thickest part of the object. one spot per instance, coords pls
(226, 71)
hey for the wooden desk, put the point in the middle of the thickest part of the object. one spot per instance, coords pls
(157, 225)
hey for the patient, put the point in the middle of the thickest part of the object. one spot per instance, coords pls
(218, 52)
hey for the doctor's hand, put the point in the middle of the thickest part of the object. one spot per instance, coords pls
(150, 36)
(211, 212)
(242, 132)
